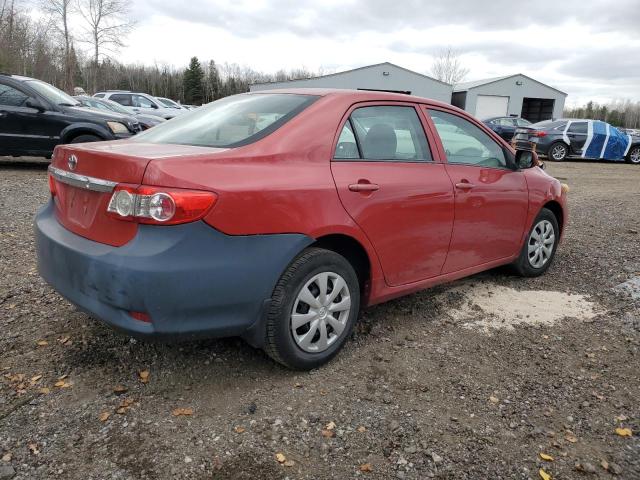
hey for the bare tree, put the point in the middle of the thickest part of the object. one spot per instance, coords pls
(60, 10)
(107, 26)
(448, 68)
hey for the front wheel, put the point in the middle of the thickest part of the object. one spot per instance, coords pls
(634, 155)
(558, 151)
(313, 309)
(540, 248)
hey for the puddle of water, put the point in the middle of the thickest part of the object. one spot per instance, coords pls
(487, 306)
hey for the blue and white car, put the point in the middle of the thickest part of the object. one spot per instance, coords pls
(588, 139)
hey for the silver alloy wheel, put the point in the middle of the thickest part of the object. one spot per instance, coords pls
(320, 312)
(634, 156)
(558, 152)
(541, 242)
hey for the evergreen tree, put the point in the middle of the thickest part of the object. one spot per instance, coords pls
(193, 83)
(214, 86)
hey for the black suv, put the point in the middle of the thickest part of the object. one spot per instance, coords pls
(36, 116)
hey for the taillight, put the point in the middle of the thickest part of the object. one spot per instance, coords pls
(539, 133)
(52, 185)
(158, 205)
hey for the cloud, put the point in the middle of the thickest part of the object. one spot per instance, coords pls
(348, 17)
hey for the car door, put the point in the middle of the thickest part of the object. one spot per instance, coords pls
(24, 129)
(491, 198)
(577, 132)
(390, 185)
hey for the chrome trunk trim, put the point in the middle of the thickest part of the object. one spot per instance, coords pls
(81, 181)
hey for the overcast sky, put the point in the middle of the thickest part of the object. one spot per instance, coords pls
(589, 48)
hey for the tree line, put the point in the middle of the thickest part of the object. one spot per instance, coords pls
(73, 45)
(620, 113)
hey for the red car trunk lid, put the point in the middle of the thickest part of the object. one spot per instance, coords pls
(84, 176)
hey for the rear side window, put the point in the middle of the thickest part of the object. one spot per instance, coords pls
(230, 122)
(465, 143)
(578, 127)
(99, 95)
(390, 133)
(11, 97)
(347, 147)
(122, 99)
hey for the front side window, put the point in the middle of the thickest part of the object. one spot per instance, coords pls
(578, 127)
(465, 143)
(391, 133)
(230, 122)
(142, 102)
(12, 97)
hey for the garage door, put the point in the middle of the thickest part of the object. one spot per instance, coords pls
(491, 106)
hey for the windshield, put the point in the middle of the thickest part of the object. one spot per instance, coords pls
(51, 93)
(168, 103)
(229, 122)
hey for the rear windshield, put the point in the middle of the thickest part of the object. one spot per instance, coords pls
(229, 122)
(549, 124)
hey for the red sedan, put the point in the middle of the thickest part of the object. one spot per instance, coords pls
(276, 216)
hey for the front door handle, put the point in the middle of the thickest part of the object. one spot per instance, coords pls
(364, 187)
(464, 185)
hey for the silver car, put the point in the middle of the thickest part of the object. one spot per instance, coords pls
(140, 103)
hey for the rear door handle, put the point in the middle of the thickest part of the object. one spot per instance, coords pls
(364, 187)
(464, 185)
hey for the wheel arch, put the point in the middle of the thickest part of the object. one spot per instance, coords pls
(557, 210)
(72, 131)
(355, 253)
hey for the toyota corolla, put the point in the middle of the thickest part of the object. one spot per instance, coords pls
(277, 216)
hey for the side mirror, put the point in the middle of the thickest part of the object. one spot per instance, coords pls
(527, 159)
(153, 105)
(33, 103)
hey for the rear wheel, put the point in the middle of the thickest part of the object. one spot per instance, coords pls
(313, 309)
(540, 248)
(85, 139)
(634, 155)
(558, 151)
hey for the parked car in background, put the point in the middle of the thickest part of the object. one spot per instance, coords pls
(36, 116)
(581, 138)
(146, 121)
(167, 102)
(140, 103)
(506, 126)
(289, 211)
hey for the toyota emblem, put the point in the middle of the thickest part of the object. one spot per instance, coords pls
(72, 161)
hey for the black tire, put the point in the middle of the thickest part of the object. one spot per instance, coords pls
(633, 156)
(85, 139)
(279, 340)
(523, 265)
(559, 146)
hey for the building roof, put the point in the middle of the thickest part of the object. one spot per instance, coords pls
(465, 86)
(353, 70)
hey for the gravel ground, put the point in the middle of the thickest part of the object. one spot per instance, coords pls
(419, 392)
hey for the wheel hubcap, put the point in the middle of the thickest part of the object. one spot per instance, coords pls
(541, 242)
(558, 152)
(320, 312)
(635, 155)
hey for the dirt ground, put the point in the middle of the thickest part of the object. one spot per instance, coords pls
(471, 380)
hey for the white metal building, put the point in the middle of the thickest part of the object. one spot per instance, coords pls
(516, 95)
(383, 76)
